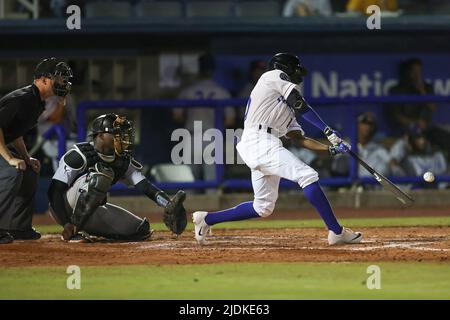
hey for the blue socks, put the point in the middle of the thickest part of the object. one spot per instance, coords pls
(245, 210)
(242, 211)
(317, 198)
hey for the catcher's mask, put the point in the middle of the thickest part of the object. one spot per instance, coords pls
(120, 127)
(289, 64)
(59, 72)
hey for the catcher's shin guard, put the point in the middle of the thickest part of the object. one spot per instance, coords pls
(93, 195)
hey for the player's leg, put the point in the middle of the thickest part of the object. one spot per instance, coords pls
(113, 222)
(288, 166)
(107, 221)
(266, 193)
(86, 195)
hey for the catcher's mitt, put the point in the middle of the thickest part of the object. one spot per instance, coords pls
(175, 214)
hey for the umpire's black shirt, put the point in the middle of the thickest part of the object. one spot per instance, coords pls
(19, 112)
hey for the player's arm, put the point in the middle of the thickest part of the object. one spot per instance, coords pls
(174, 212)
(6, 154)
(161, 198)
(299, 104)
(134, 177)
(56, 192)
(21, 149)
(312, 144)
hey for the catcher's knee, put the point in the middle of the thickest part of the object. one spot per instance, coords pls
(263, 208)
(308, 177)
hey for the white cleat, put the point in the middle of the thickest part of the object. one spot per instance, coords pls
(201, 228)
(347, 236)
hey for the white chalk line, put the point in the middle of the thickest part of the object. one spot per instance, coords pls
(418, 244)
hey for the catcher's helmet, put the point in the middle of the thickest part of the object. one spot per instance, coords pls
(289, 64)
(120, 127)
(58, 71)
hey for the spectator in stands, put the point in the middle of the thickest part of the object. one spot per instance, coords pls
(204, 88)
(415, 155)
(303, 8)
(406, 115)
(369, 150)
(360, 6)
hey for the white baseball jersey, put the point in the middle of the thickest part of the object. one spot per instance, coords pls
(267, 104)
(263, 152)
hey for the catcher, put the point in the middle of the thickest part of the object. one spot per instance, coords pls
(78, 191)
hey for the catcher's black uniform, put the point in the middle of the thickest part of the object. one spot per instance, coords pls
(78, 191)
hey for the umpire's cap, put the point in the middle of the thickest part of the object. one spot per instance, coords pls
(51, 67)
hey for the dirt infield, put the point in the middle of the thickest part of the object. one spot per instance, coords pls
(234, 245)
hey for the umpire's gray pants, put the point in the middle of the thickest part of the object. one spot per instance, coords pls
(109, 221)
(17, 192)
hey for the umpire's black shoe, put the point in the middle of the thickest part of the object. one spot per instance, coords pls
(5, 237)
(25, 235)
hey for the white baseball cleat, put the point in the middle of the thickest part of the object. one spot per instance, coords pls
(201, 228)
(346, 236)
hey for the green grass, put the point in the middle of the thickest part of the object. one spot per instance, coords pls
(316, 223)
(231, 281)
(240, 281)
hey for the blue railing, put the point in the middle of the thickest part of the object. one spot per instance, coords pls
(353, 106)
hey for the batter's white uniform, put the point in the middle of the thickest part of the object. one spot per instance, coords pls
(263, 152)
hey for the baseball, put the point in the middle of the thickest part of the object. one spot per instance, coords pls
(428, 176)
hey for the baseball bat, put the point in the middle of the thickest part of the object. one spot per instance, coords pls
(402, 196)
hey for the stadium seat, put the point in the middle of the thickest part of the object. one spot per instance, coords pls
(168, 172)
(107, 9)
(159, 9)
(204, 9)
(258, 9)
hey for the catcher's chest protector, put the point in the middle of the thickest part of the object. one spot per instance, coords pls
(119, 165)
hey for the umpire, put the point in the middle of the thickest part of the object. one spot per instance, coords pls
(19, 112)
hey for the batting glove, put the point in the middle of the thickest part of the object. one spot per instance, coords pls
(332, 136)
(343, 147)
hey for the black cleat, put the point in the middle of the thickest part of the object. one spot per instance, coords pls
(5, 237)
(25, 235)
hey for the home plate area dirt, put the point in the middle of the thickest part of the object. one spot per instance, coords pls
(237, 245)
